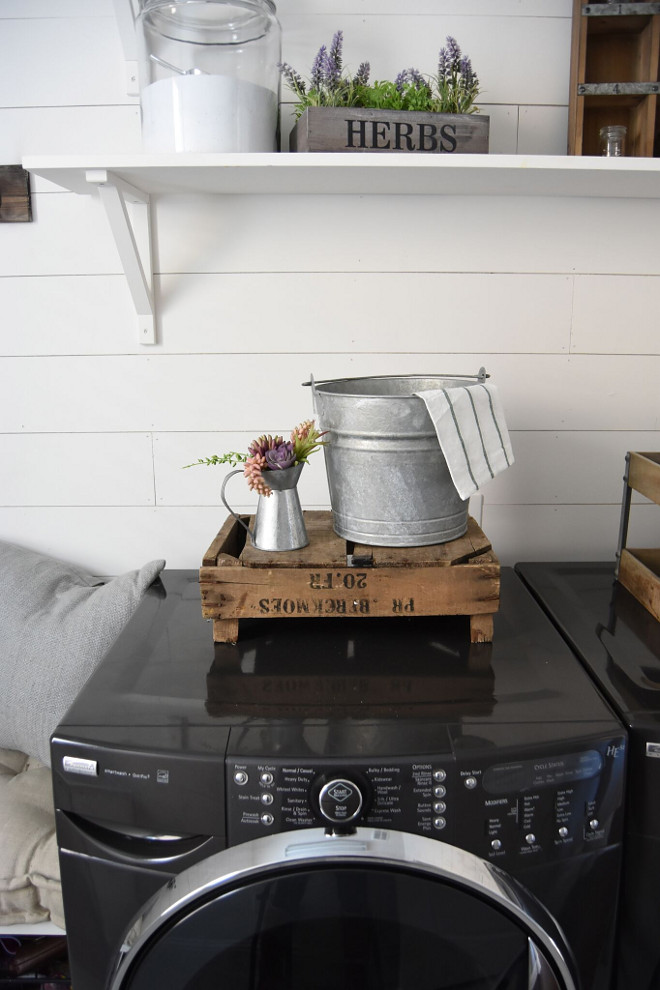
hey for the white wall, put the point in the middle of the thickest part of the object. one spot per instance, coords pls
(558, 298)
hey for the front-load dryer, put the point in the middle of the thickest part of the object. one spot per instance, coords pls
(351, 802)
(618, 641)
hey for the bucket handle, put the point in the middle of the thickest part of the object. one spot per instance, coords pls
(228, 506)
(480, 377)
(314, 394)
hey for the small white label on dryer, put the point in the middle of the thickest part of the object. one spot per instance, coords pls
(653, 749)
(74, 764)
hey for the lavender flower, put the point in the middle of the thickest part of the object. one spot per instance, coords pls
(361, 77)
(335, 54)
(281, 457)
(318, 67)
(411, 77)
(443, 68)
(332, 74)
(295, 81)
(453, 52)
(466, 71)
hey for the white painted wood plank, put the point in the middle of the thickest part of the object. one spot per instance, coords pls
(69, 235)
(616, 315)
(564, 532)
(76, 469)
(441, 8)
(516, 59)
(503, 131)
(467, 8)
(297, 233)
(543, 130)
(578, 393)
(69, 314)
(191, 392)
(68, 130)
(111, 540)
(47, 9)
(395, 313)
(92, 314)
(61, 62)
(568, 467)
(406, 233)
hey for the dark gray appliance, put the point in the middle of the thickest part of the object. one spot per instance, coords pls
(618, 641)
(358, 803)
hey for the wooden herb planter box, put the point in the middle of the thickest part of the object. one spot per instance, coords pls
(356, 129)
(332, 578)
(639, 570)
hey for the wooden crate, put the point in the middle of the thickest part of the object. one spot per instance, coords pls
(638, 570)
(333, 578)
(355, 129)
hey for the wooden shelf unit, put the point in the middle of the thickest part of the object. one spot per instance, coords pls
(639, 570)
(615, 75)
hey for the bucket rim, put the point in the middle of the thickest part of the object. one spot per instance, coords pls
(481, 376)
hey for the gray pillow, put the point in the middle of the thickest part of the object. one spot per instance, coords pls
(56, 624)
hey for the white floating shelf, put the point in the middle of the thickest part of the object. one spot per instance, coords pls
(362, 174)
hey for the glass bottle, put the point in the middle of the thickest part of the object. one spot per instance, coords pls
(613, 141)
(209, 76)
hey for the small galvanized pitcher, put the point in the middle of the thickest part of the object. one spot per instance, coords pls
(278, 521)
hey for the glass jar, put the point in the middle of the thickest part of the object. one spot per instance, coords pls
(209, 76)
(613, 140)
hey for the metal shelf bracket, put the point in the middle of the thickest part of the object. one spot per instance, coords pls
(133, 239)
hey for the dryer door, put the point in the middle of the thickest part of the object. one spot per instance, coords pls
(371, 911)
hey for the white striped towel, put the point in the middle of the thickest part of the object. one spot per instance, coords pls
(472, 431)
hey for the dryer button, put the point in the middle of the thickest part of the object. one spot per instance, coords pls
(340, 800)
(240, 777)
(496, 845)
(470, 783)
(267, 818)
(266, 778)
(439, 822)
(440, 775)
(530, 839)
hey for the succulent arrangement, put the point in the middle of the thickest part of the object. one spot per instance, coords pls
(268, 453)
(453, 88)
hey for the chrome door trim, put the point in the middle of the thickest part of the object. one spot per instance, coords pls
(371, 847)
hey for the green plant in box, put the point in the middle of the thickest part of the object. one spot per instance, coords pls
(453, 88)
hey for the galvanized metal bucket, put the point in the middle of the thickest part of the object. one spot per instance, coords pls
(388, 479)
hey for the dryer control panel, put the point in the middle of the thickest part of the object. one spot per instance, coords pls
(550, 805)
(395, 793)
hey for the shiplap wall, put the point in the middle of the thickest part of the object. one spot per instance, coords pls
(558, 298)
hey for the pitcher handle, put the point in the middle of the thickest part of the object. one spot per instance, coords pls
(228, 506)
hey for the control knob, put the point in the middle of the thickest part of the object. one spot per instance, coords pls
(340, 800)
